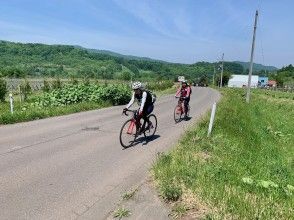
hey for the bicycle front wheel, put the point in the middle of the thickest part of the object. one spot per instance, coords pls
(152, 126)
(178, 113)
(128, 133)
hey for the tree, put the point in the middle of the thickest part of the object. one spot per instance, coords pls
(125, 75)
(226, 78)
(3, 89)
(204, 80)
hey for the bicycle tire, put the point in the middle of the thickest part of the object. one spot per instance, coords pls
(177, 116)
(149, 135)
(124, 145)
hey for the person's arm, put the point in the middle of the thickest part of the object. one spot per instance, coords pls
(188, 91)
(178, 92)
(144, 96)
(131, 101)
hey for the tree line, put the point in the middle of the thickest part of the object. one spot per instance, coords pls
(18, 60)
(38, 60)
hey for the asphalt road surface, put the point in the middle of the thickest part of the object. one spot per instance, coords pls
(73, 167)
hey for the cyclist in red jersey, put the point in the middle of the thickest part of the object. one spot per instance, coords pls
(184, 92)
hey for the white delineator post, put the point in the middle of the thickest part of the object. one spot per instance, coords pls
(211, 119)
(11, 103)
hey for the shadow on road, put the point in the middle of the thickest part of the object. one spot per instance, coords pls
(143, 140)
(185, 119)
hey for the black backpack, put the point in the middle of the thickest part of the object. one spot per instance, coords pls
(153, 95)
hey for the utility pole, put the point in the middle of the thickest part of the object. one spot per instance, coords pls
(251, 59)
(222, 72)
(213, 74)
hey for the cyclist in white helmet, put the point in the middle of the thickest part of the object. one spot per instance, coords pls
(184, 92)
(145, 99)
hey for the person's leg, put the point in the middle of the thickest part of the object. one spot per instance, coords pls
(149, 111)
(146, 112)
(186, 103)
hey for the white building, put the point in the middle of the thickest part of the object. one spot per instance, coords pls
(240, 81)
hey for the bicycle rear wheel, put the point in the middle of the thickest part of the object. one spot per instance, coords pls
(128, 133)
(178, 113)
(151, 127)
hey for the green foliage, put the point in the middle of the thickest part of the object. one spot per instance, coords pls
(56, 84)
(226, 78)
(170, 192)
(159, 86)
(25, 89)
(285, 76)
(3, 90)
(26, 112)
(20, 60)
(73, 81)
(247, 164)
(71, 94)
(129, 195)
(46, 86)
(121, 212)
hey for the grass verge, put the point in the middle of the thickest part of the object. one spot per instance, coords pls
(22, 114)
(244, 171)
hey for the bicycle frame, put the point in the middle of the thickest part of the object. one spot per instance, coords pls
(181, 105)
(131, 127)
(133, 123)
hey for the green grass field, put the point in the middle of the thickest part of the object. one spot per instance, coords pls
(244, 171)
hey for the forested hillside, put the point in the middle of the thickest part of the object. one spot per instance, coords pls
(40, 60)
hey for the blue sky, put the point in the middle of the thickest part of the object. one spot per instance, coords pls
(183, 31)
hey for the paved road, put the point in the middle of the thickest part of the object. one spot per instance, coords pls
(73, 167)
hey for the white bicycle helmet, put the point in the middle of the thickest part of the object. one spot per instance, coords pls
(137, 85)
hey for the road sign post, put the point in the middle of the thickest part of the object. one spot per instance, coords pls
(211, 119)
(11, 102)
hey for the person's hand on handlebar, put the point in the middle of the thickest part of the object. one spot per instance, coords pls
(125, 110)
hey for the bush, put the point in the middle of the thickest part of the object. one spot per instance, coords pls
(71, 94)
(171, 192)
(46, 86)
(162, 85)
(25, 89)
(56, 84)
(3, 90)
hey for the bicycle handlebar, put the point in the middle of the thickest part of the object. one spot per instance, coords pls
(127, 110)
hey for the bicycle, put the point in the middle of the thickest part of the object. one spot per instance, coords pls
(179, 111)
(130, 130)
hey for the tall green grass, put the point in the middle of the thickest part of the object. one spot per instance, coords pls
(246, 169)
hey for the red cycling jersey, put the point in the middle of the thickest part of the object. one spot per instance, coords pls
(185, 92)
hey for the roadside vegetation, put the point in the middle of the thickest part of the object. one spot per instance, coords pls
(244, 170)
(59, 99)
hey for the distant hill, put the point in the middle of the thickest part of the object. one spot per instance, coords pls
(41, 60)
(114, 54)
(256, 67)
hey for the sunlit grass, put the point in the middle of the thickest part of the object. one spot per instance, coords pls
(246, 169)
